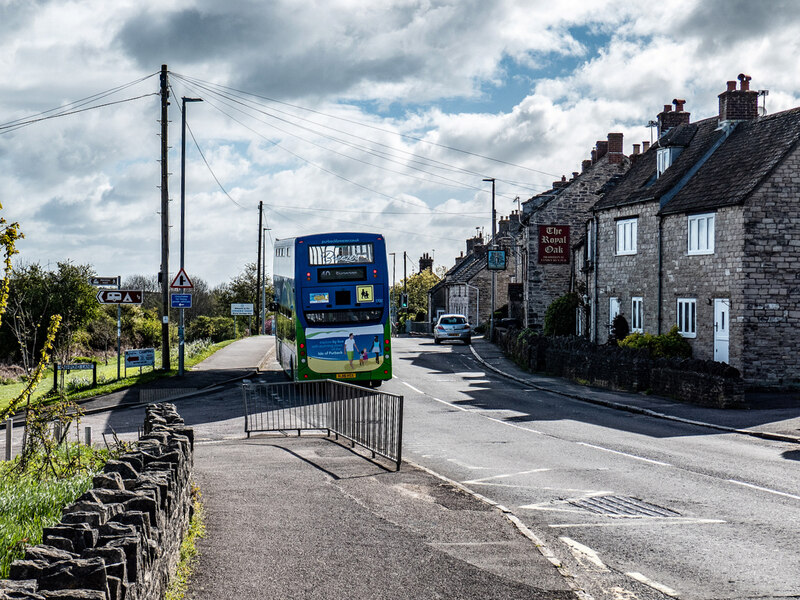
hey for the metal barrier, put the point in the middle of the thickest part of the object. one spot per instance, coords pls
(371, 419)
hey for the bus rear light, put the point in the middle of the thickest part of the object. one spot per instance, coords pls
(305, 376)
(308, 276)
(386, 342)
(302, 346)
(385, 372)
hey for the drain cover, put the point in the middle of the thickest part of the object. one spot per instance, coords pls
(622, 506)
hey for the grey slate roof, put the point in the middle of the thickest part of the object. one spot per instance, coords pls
(729, 175)
(639, 183)
(740, 164)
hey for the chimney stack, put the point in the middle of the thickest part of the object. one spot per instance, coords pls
(636, 149)
(738, 105)
(425, 262)
(669, 119)
(615, 155)
(645, 146)
(586, 164)
(602, 148)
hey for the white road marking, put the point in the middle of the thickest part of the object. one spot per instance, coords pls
(647, 460)
(582, 552)
(504, 476)
(463, 464)
(640, 520)
(763, 489)
(653, 584)
(413, 388)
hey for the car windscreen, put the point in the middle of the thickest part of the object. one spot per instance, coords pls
(453, 321)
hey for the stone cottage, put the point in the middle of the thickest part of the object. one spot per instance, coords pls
(703, 232)
(555, 220)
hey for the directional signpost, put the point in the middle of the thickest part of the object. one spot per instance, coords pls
(103, 299)
(120, 296)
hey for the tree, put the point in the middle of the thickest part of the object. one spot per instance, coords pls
(417, 286)
(559, 319)
(36, 295)
(240, 290)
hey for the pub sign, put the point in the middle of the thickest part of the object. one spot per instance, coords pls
(554, 244)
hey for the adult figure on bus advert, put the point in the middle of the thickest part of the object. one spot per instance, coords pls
(350, 347)
(376, 348)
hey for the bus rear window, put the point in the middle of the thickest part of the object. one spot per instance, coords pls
(342, 317)
(340, 254)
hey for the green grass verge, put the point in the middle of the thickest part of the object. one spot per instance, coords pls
(108, 373)
(28, 505)
(179, 582)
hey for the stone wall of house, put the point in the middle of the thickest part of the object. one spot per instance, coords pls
(121, 539)
(770, 315)
(572, 208)
(706, 383)
(626, 276)
(705, 277)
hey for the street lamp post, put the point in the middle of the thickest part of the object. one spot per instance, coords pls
(181, 336)
(494, 273)
(264, 284)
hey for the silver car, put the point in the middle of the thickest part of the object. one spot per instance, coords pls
(452, 327)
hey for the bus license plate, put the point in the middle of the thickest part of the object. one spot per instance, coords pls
(345, 376)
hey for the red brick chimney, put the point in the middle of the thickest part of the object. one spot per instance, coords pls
(586, 164)
(738, 105)
(669, 119)
(615, 155)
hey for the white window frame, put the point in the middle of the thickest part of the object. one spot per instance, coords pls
(700, 234)
(665, 157)
(613, 310)
(637, 314)
(627, 231)
(687, 317)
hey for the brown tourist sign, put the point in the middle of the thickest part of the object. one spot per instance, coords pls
(554, 244)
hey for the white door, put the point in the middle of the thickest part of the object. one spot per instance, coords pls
(722, 319)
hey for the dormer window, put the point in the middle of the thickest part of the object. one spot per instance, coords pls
(665, 158)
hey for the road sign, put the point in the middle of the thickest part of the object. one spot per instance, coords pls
(241, 309)
(365, 293)
(182, 281)
(120, 296)
(146, 357)
(181, 300)
(103, 280)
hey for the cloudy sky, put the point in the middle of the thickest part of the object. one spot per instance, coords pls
(340, 115)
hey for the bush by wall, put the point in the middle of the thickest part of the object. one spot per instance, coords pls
(630, 369)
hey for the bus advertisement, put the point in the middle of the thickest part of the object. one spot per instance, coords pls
(332, 307)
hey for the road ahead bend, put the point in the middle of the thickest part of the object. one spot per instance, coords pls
(635, 504)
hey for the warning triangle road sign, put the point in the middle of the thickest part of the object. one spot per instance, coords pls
(182, 281)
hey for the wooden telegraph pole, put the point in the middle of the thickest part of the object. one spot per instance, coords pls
(165, 277)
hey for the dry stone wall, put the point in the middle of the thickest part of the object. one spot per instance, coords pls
(121, 539)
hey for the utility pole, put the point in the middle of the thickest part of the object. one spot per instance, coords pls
(259, 291)
(164, 221)
(494, 273)
(392, 316)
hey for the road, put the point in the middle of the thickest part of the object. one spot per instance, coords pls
(710, 514)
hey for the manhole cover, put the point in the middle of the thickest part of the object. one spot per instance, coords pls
(622, 506)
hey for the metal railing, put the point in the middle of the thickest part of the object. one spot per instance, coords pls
(371, 419)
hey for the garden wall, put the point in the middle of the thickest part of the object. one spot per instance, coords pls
(121, 539)
(702, 382)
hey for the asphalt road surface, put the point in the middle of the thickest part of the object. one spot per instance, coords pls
(622, 498)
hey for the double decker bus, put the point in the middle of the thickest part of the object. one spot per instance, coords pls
(332, 307)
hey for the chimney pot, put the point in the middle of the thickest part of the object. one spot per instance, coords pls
(745, 82)
(731, 86)
(679, 104)
(575, 174)
(667, 107)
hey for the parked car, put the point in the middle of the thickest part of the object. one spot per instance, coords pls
(452, 327)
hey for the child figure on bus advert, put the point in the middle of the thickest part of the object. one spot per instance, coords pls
(364, 358)
(376, 348)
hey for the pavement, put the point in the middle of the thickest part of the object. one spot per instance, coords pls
(774, 416)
